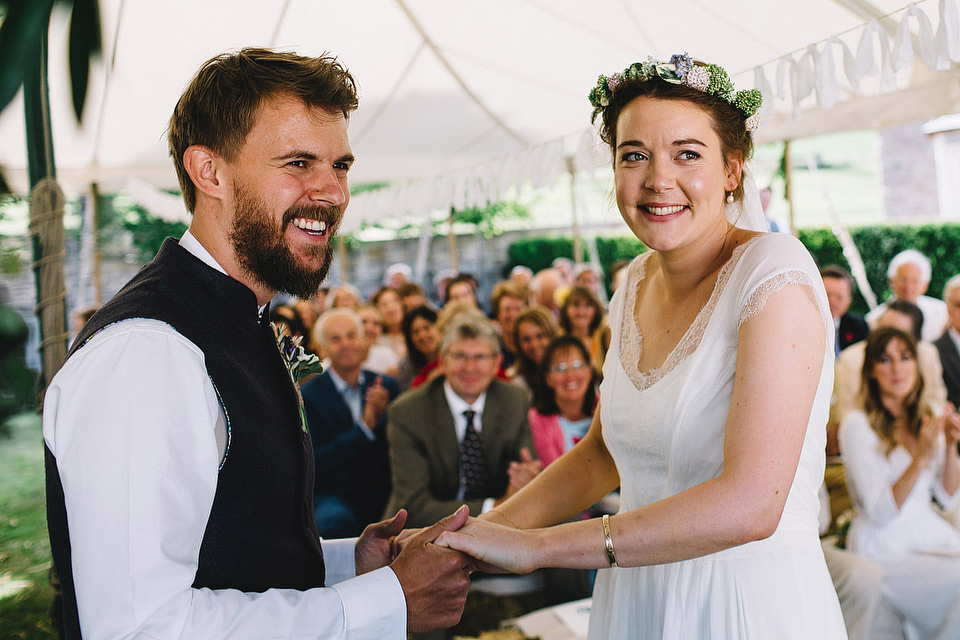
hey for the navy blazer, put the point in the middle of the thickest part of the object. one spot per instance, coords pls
(347, 463)
(853, 328)
(950, 360)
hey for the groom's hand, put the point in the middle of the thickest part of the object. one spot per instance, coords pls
(434, 580)
(373, 548)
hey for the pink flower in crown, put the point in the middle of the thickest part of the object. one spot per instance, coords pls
(697, 78)
(613, 82)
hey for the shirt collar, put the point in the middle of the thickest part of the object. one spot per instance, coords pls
(189, 242)
(458, 405)
(341, 384)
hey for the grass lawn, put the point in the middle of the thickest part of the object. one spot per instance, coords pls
(24, 547)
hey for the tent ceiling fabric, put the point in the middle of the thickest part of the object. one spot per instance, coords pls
(462, 100)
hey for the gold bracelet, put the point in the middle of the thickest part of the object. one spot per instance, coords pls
(509, 521)
(608, 540)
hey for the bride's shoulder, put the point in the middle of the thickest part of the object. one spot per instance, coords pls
(776, 250)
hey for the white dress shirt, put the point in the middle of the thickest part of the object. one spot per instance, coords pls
(354, 401)
(457, 406)
(132, 419)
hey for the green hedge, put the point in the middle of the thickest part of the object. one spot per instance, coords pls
(877, 245)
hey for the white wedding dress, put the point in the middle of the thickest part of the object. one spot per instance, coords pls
(665, 431)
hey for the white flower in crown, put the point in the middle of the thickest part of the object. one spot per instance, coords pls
(753, 122)
(697, 78)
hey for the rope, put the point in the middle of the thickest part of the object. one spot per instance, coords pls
(47, 234)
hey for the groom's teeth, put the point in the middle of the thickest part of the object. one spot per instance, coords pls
(664, 211)
(310, 225)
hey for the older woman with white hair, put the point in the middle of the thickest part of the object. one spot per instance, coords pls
(909, 276)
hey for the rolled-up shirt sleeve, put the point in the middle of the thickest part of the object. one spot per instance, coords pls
(131, 420)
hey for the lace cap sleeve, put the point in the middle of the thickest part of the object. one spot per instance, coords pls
(776, 261)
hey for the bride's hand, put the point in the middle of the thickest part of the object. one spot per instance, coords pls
(496, 548)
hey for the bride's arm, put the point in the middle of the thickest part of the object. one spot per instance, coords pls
(573, 482)
(779, 361)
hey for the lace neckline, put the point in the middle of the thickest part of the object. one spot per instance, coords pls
(631, 340)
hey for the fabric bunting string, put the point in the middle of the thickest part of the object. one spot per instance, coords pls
(803, 79)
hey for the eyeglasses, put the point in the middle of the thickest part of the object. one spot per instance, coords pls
(461, 358)
(574, 365)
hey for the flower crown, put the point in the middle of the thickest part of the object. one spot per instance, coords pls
(708, 78)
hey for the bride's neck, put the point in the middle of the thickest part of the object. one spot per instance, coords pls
(684, 270)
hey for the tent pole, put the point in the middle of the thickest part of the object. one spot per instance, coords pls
(788, 186)
(573, 210)
(343, 258)
(46, 211)
(452, 244)
(94, 229)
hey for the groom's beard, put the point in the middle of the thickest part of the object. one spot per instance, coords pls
(262, 251)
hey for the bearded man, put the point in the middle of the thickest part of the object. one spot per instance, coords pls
(179, 464)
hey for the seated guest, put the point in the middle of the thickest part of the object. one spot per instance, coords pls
(412, 296)
(617, 273)
(397, 275)
(346, 295)
(423, 347)
(380, 358)
(544, 286)
(521, 275)
(848, 381)
(532, 332)
(565, 407)
(589, 277)
(949, 343)
(506, 303)
(313, 307)
(346, 411)
(851, 327)
(463, 437)
(858, 582)
(435, 431)
(901, 457)
(909, 275)
(581, 316)
(462, 288)
(387, 301)
(285, 317)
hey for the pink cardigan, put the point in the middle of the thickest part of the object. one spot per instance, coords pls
(547, 436)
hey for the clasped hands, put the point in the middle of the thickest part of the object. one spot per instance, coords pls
(433, 564)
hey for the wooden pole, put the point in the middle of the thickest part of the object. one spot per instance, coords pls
(46, 211)
(573, 211)
(452, 245)
(343, 258)
(94, 216)
(788, 186)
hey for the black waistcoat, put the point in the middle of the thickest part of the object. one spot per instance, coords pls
(260, 533)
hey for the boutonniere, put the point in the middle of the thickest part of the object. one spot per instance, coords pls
(298, 362)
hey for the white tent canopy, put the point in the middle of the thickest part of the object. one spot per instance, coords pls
(462, 100)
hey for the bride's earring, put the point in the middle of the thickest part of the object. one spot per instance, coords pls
(730, 197)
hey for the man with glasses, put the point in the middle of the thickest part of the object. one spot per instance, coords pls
(437, 432)
(463, 437)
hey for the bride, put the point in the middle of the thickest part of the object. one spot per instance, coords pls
(714, 398)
